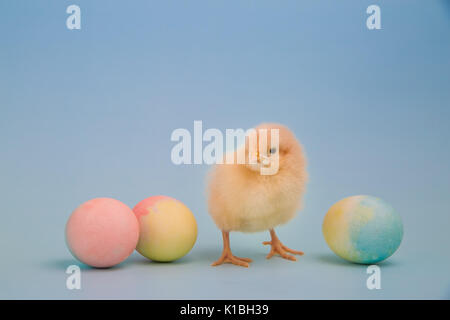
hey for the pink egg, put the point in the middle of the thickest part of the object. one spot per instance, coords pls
(102, 232)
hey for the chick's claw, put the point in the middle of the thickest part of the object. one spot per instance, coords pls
(280, 249)
(245, 259)
(300, 253)
(229, 258)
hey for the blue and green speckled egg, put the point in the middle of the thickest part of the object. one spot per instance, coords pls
(363, 229)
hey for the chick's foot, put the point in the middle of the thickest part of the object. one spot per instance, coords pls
(279, 248)
(228, 257)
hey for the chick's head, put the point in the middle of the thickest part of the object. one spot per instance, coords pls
(272, 147)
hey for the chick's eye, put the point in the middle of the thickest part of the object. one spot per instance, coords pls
(272, 150)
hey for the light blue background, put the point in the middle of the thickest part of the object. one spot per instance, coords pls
(89, 113)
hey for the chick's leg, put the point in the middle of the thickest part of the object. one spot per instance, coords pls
(227, 256)
(280, 248)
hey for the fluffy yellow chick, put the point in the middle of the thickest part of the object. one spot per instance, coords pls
(241, 198)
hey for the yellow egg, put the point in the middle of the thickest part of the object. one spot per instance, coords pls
(167, 228)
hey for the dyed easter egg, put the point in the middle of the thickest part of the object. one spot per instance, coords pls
(168, 229)
(102, 232)
(363, 229)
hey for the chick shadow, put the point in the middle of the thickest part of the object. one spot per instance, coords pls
(199, 257)
(209, 255)
(332, 259)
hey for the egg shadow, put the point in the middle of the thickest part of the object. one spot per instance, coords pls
(336, 261)
(141, 260)
(63, 264)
